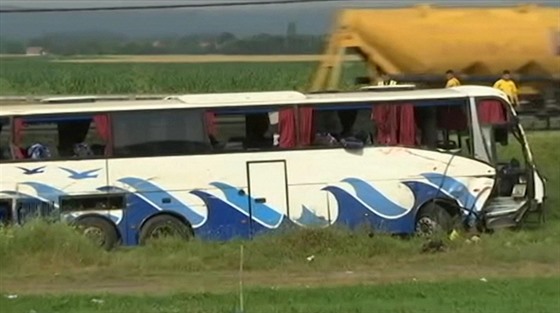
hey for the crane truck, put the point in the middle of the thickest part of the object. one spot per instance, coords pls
(419, 44)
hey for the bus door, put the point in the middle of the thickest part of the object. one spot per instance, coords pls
(268, 194)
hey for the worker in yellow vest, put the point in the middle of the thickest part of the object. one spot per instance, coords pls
(386, 81)
(452, 81)
(507, 85)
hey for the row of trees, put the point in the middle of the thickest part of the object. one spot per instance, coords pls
(225, 43)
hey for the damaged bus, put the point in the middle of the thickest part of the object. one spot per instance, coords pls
(236, 165)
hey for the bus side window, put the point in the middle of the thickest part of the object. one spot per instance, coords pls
(330, 126)
(5, 153)
(59, 137)
(242, 130)
(168, 132)
(453, 132)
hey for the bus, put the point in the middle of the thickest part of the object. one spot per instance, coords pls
(238, 165)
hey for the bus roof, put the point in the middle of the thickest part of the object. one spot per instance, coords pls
(265, 98)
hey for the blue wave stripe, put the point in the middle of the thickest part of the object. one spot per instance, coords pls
(308, 218)
(374, 199)
(455, 188)
(25, 196)
(156, 195)
(45, 191)
(224, 221)
(260, 212)
(352, 214)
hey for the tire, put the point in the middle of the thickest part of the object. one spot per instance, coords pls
(169, 225)
(433, 219)
(102, 232)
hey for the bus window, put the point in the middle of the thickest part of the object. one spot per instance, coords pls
(59, 137)
(242, 129)
(331, 125)
(500, 135)
(444, 125)
(159, 133)
(5, 138)
(430, 124)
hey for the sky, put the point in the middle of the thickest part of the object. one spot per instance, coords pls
(311, 18)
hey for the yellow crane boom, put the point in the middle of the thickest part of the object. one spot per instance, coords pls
(422, 42)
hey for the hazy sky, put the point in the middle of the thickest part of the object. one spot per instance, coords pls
(310, 18)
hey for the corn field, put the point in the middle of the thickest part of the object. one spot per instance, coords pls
(36, 76)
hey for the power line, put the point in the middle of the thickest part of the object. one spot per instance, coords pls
(159, 7)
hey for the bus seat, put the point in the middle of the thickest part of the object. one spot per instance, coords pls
(38, 151)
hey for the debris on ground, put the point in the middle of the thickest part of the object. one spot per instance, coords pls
(434, 245)
(454, 235)
(473, 239)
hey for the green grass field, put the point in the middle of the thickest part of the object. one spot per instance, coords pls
(39, 77)
(52, 269)
(540, 295)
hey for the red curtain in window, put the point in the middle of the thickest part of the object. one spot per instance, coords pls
(306, 126)
(211, 123)
(103, 127)
(385, 117)
(407, 127)
(491, 112)
(19, 126)
(396, 124)
(287, 128)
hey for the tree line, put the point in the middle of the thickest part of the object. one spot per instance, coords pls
(224, 43)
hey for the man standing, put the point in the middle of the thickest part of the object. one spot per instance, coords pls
(507, 85)
(452, 81)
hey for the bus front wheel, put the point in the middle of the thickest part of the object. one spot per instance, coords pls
(164, 225)
(100, 231)
(433, 219)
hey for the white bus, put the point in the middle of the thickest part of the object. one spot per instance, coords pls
(220, 166)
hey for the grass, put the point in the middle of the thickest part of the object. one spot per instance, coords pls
(41, 256)
(21, 76)
(193, 58)
(537, 295)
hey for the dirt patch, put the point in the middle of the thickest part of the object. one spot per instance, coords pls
(217, 282)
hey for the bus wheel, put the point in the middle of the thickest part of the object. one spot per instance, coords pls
(433, 219)
(100, 231)
(162, 226)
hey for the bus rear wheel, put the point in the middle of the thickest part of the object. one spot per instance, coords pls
(100, 231)
(163, 226)
(433, 219)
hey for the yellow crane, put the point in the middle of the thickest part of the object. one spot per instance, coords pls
(418, 44)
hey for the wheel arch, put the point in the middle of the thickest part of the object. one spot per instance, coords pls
(176, 215)
(451, 206)
(100, 216)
